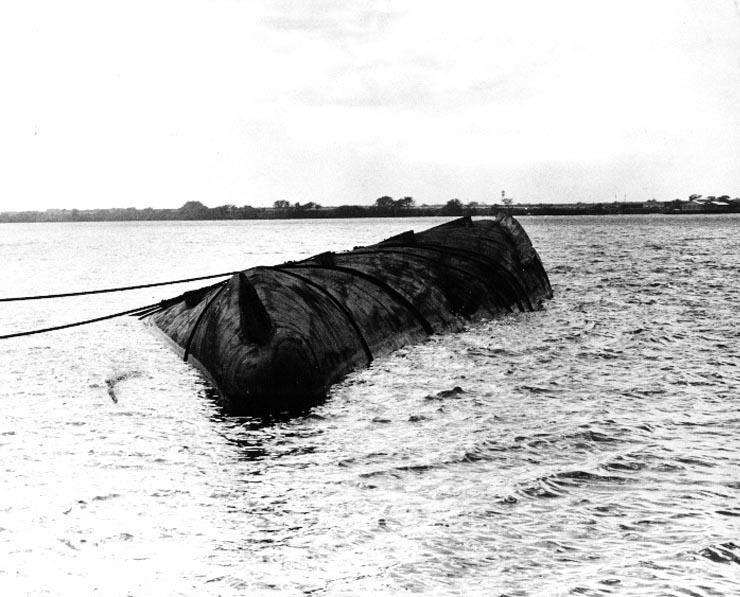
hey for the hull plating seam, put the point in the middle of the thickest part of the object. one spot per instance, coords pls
(200, 318)
(389, 290)
(346, 312)
(440, 249)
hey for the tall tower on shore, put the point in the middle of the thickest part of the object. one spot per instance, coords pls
(507, 201)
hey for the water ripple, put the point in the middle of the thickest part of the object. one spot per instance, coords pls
(588, 449)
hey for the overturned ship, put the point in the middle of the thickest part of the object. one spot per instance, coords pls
(275, 338)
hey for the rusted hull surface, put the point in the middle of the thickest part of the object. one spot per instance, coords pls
(277, 337)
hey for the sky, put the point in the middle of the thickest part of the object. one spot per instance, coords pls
(154, 103)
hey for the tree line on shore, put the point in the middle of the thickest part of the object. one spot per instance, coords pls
(384, 206)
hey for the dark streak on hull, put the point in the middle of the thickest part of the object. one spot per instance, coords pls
(276, 338)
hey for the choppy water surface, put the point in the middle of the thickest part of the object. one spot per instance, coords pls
(593, 449)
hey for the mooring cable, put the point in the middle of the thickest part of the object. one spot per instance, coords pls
(119, 289)
(79, 323)
(141, 312)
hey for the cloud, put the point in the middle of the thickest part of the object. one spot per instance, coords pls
(330, 20)
(164, 101)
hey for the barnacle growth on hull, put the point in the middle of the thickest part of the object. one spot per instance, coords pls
(276, 338)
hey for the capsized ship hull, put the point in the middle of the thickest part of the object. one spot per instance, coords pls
(275, 338)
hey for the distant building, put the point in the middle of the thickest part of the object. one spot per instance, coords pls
(692, 206)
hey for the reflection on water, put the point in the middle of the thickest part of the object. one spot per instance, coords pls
(588, 449)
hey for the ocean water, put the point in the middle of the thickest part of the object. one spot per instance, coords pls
(594, 447)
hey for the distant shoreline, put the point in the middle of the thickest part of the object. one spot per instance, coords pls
(197, 211)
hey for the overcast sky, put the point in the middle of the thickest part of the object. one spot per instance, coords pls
(158, 102)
